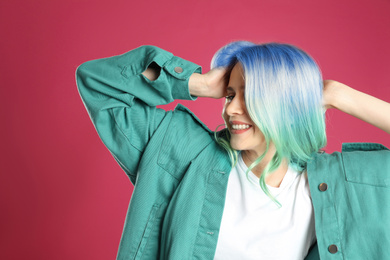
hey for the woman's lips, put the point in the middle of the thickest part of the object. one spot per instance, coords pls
(238, 131)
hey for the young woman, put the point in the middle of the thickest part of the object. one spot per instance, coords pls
(261, 188)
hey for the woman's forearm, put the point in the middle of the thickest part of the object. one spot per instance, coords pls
(360, 105)
(197, 85)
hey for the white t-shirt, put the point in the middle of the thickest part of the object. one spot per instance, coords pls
(253, 227)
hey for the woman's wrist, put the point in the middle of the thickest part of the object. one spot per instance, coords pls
(197, 85)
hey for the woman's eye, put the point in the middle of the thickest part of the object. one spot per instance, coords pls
(229, 98)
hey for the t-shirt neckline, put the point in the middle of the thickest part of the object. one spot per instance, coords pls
(287, 179)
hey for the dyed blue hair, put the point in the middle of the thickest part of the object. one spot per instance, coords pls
(283, 97)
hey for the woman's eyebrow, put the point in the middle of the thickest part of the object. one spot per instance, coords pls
(229, 88)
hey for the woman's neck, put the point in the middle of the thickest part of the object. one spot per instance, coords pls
(276, 177)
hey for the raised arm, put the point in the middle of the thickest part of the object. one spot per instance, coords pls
(121, 100)
(358, 104)
(211, 84)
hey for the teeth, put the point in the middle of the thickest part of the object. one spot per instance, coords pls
(240, 127)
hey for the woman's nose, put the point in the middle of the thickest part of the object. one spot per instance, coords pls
(235, 107)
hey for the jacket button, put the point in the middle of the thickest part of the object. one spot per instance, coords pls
(323, 186)
(333, 249)
(178, 69)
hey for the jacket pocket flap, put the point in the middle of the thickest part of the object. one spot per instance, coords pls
(368, 167)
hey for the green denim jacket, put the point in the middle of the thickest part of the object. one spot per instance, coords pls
(180, 173)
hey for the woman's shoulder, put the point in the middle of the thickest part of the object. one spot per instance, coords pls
(185, 133)
(361, 163)
(365, 163)
(194, 124)
(185, 138)
(190, 118)
(355, 148)
(354, 156)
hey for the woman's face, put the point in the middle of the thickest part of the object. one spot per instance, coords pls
(245, 135)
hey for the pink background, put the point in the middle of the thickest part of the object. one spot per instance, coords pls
(62, 194)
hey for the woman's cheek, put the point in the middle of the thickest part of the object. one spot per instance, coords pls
(226, 117)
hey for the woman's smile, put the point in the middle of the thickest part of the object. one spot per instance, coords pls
(238, 127)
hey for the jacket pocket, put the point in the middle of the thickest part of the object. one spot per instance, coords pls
(367, 167)
(148, 229)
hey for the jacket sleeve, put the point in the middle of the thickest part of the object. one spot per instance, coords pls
(121, 102)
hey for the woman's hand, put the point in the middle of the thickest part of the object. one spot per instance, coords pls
(212, 84)
(216, 82)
